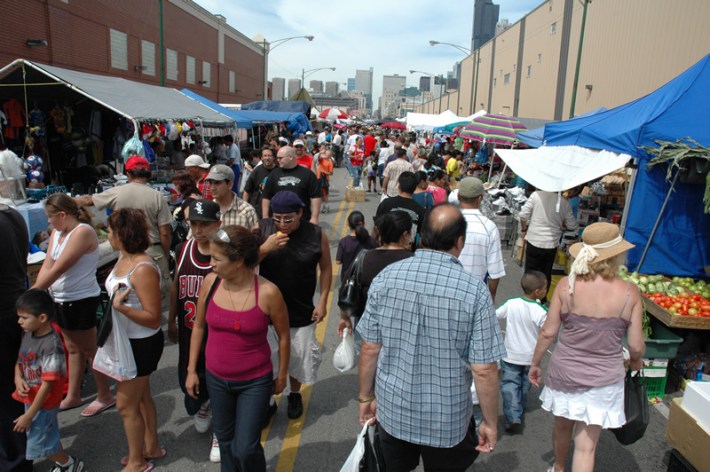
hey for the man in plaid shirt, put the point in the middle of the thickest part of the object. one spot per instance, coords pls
(427, 326)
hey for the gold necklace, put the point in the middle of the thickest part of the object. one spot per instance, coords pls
(238, 322)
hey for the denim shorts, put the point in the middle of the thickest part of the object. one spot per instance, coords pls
(43, 435)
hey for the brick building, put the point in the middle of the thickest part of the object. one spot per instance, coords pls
(200, 51)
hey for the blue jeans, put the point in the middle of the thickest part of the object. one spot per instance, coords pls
(239, 411)
(356, 172)
(514, 387)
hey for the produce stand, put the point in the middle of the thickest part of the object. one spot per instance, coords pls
(676, 321)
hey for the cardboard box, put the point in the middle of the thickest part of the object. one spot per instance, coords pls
(688, 437)
(356, 194)
(696, 401)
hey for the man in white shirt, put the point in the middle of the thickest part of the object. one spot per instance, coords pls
(481, 255)
(543, 219)
(322, 136)
(234, 161)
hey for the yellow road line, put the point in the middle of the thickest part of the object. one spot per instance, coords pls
(292, 438)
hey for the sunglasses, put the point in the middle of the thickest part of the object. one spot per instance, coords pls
(284, 221)
(223, 236)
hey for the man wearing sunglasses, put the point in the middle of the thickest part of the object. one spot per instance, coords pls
(296, 179)
(299, 249)
(302, 157)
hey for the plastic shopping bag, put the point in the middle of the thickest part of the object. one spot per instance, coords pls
(636, 410)
(365, 456)
(115, 357)
(344, 357)
(133, 147)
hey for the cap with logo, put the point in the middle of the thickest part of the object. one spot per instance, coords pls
(204, 210)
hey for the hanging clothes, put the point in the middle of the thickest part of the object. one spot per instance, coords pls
(59, 119)
(95, 125)
(15, 114)
(38, 121)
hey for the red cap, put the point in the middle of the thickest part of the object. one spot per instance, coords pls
(137, 162)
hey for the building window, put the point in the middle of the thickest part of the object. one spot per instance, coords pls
(190, 69)
(148, 57)
(539, 57)
(553, 28)
(232, 82)
(506, 79)
(529, 73)
(205, 74)
(171, 63)
(494, 81)
(119, 49)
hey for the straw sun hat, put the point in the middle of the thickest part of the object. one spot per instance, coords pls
(600, 241)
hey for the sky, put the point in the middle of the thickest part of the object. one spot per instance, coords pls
(391, 36)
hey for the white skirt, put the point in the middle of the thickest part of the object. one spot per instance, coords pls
(603, 406)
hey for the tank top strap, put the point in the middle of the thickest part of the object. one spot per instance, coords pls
(256, 289)
(140, 264)
(626, 300)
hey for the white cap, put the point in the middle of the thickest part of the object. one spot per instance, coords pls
(196, 161)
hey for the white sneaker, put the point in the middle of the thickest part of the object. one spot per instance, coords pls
(203, 418)
(214, 451)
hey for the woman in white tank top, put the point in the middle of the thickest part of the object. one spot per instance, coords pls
(69, 272)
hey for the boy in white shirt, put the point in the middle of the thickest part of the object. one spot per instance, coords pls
(524, 317)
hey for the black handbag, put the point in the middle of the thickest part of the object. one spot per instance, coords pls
(350, 296)
(636, 409)
(103, 331)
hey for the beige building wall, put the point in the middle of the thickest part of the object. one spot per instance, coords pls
(465, 87)
(631, 48)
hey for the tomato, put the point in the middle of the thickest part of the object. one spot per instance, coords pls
(692, 312)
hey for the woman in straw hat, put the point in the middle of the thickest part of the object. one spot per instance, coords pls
(584, 386)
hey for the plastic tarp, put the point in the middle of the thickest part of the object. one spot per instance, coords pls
(558, 168)
(131, 99)
(241, 121)
(534, 137)
(674, 111)
(427, 121)
(278, 105)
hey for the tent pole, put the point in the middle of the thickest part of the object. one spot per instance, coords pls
(658, 221)
(629, 196)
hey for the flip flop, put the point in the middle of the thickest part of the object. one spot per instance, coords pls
(163, 453)
(66, 408)
(97, 407)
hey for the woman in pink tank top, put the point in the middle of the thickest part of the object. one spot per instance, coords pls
(584, 385)
(235, 308)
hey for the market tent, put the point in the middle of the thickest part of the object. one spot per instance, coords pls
(533, 137)
(427, 121)
(279, 105)
(134, 100)
(240, 120)
(558, 168)
(680, 244)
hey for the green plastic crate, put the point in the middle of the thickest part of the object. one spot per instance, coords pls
(655, 386)
(662, 344)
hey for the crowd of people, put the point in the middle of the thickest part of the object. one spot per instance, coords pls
(240, 282)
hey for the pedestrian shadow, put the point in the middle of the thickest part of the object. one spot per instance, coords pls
(309, 456)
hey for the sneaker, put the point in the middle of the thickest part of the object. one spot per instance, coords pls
(203, 418)
(214, 451)
(295, 406)
(75, 466)
(514, 428)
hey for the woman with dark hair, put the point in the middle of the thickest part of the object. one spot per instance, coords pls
(235, 308)
(421, 195)
(436, 185)
(351, 245)
(69, 272)
(188, 191)
(134, 284)
(394, 232)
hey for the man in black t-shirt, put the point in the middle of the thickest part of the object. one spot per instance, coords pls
(14, 242)
(293, 178)
(254, 186)
(407, 183)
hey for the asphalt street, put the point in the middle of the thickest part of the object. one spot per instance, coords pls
(322, 438)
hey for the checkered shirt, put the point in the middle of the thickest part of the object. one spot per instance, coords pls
(240, 213)
(481, 253)
(432, 320)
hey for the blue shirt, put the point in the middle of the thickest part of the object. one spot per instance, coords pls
(433, 320)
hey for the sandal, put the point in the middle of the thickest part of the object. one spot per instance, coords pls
(163, 453)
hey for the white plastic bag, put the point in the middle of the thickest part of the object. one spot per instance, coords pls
(344, 357)
(352, 464)
(115, 357)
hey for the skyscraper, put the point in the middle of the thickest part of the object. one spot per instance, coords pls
(294, 85)
(392, 85)
(485, 18)
(331, 89)
(363, 83)
(351, 84)
(317, 86)
(425, 83)
(278, 87)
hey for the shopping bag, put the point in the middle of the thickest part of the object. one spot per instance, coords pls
(636, 409)
(365, 456)
(115, 357)
(344, 357)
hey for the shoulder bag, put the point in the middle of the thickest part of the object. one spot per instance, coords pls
(350, 297)
(636, 410)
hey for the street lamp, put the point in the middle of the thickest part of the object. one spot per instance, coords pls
(310, 71)
(464, 50)
(268, 46)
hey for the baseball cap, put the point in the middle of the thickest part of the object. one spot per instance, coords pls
(298, 142)
(220, 172)
(137, 162)
(309, 133)
(196, 161)
(204, 210)
(283, 140)
(470, 187)
(286, 202)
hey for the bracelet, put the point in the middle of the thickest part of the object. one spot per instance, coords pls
(369, 399)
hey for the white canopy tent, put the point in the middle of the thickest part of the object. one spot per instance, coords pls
(427, 122)
(558, 168)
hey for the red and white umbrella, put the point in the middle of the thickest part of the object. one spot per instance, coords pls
(333, 114)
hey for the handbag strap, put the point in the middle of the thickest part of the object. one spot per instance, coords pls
(356, 268)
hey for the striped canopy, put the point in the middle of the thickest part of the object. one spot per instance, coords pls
(496, 129)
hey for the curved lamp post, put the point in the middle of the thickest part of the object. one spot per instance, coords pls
(310, 71)
(464, 50)
(268, 46)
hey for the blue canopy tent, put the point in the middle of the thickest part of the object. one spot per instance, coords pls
(279, 105)
(667, 225)
(241, 121)
(533, 137)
